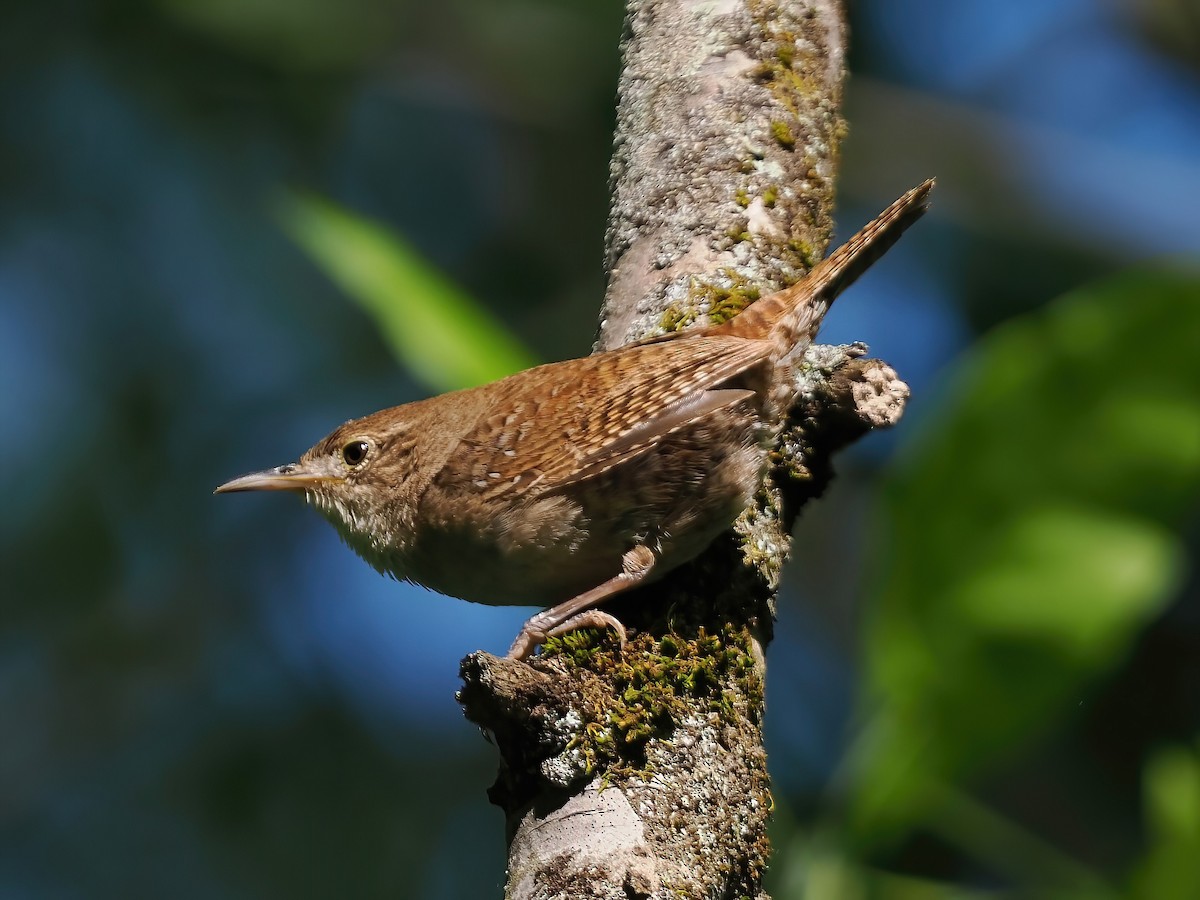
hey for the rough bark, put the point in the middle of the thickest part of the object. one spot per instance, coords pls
(640, 772)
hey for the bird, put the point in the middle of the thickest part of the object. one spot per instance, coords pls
(568, 483)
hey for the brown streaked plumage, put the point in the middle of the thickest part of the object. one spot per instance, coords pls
(567, 483)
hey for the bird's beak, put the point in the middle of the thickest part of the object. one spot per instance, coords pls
(292, 477)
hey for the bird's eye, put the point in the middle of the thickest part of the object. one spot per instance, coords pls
(355, 452)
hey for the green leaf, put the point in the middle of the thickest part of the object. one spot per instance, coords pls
(446, 338)
(1032, 532)
(1172, 788)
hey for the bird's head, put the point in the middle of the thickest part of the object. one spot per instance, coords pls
(356, 478)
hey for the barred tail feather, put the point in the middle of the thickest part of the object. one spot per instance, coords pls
(790, 318)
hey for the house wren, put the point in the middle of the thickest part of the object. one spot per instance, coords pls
(567, 483)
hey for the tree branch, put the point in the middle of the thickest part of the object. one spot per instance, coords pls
(639, 771)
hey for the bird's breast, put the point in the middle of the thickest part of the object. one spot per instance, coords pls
(533, 553)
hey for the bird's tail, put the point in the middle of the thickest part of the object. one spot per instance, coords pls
(790, 318)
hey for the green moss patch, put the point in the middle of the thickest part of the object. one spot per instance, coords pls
(656, 682)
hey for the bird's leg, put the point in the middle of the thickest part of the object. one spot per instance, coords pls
(580, 611)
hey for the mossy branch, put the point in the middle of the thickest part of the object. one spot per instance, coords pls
(639, 771)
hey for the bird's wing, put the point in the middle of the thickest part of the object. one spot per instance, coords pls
(559, 424)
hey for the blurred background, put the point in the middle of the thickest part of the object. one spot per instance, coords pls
(216, 221)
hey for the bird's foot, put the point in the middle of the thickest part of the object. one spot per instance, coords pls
(533, 635)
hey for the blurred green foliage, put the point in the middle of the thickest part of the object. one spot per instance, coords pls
(1171, 868)
(1032, 534)
(442, 335)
